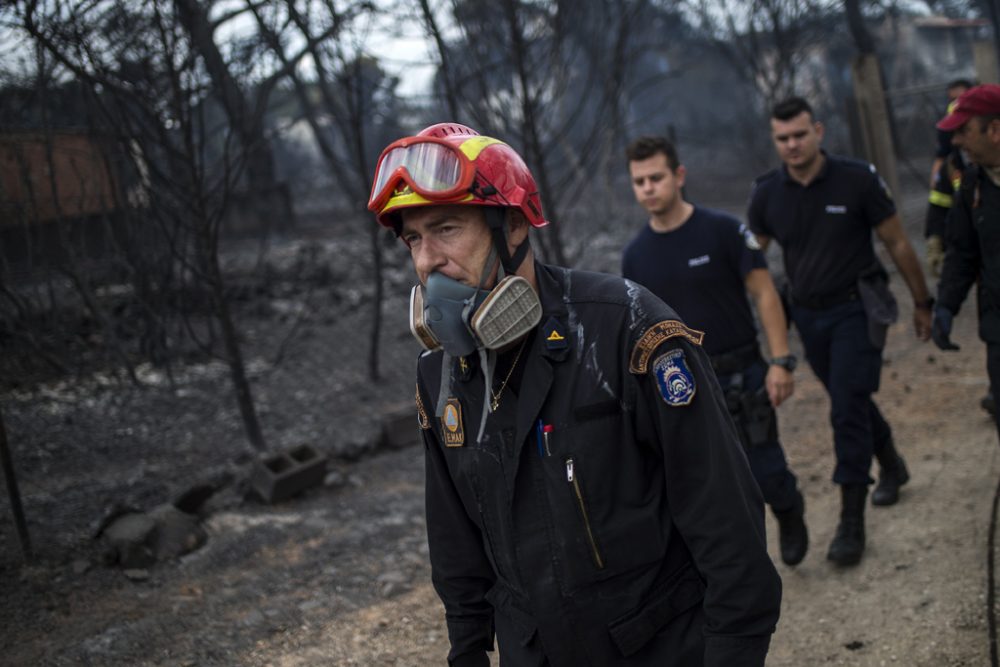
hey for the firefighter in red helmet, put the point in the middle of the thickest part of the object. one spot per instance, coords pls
(588, 500)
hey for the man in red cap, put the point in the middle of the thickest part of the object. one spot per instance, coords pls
(973, 248)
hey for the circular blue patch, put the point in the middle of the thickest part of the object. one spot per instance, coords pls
(674, 379)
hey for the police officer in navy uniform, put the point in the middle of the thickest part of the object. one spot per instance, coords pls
(588, 502)
(703, 263)
(973, 249)
(822, 209)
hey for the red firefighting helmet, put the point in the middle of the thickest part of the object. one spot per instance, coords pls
(450, 163)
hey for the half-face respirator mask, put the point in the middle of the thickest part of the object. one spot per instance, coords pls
(445, 314)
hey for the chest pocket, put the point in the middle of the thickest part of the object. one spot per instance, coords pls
(606, 496)
(839, 220)
(477, 470)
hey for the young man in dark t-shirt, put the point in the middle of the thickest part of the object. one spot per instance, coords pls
(822, 210)
(702, 263)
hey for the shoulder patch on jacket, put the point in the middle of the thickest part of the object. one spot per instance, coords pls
(654, 336)
(674, 378)
(422, 419)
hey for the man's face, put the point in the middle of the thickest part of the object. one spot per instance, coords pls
(797, 140)
(980, 140)
(656, 186)
(452, 240)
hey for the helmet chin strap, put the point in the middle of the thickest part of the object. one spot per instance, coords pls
(496, 218)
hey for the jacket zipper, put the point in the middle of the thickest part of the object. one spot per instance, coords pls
(574, 481)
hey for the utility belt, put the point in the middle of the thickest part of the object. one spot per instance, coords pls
(825, 301)
(872, 290)
(734, 361)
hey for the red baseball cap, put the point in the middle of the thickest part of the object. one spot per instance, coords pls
(981, 100)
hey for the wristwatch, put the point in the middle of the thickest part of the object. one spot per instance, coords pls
(788, 362)
(924, 305)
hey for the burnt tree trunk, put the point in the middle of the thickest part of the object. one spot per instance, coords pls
(234, 355)
(12, 489)
(270, 202)
(533, 144)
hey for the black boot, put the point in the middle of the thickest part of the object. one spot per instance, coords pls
(892, 475)
(792, 534)
(849, 542)
(988, 403)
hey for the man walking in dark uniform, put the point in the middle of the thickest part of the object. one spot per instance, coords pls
(973, 249)
(703, 262)
(946, 178)
(822, 209)
(588, 501)
(946, 169)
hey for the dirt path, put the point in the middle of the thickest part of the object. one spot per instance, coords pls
(918, 598)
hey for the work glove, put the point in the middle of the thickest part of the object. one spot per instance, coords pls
(935, 254)
(941, 329)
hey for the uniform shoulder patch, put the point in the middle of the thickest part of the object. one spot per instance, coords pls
(654, 336)
(749, 238)
(422, 419)
(674, 378)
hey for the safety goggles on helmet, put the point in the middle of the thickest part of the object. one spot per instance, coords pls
(431, 167)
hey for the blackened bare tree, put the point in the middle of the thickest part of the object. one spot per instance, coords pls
(347, 101)
(146, 78)
(768, 42)
(245, 105)
(548, 77)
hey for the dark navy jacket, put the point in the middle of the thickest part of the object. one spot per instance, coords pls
(974, 252)
(635, 534)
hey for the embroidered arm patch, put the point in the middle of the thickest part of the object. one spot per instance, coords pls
(654, 336)
(674, 378)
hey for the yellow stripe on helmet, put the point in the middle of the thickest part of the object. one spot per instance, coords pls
(407, 197)
(476, 145)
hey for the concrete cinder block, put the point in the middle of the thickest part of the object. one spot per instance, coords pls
(399, 427)
(282, 475)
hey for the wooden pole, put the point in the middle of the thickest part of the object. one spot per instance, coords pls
(873, 119)
(985, 58)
